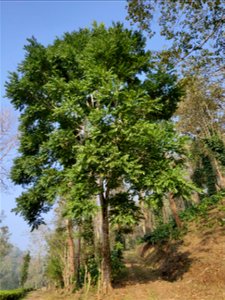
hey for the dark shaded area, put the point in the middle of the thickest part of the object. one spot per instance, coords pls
(204, 175)
(164, 262)
(175, 266)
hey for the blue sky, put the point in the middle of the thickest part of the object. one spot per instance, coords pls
(45, 20)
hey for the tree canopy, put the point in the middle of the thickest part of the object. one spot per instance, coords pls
(95, 113)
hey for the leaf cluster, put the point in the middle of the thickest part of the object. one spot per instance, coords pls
(162, 234)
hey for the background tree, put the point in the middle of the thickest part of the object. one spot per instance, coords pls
(25, 268)
(195, 28)
(5, 245)
(7, 142)
(10, 259)
(201, 116)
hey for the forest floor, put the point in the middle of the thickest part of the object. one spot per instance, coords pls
(190, 269)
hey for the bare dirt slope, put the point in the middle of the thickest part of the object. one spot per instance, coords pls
(191, 269)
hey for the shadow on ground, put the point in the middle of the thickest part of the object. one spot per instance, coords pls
(165, 262)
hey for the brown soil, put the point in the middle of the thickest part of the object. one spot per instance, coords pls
(191, 269)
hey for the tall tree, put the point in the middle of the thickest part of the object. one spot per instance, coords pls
(88, 122)
(201, 115)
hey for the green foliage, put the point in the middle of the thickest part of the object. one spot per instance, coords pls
(208, 153)
(201, 209)
(89, 263)
(55, 262)
(204, 174)
(13, 294)
(117, 263)
(24, 269)
(118, 266)
(117, 259)
(168, 231)
(216, 145)
(163, 86)
(201, 115)
(91, 267)
(163, 233)
(124, 213)
(54, 271)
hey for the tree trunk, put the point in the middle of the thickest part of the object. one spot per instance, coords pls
(97, 225)
(71, 253)
(148, 222)
(106, 259)
(166, 210)
(143, 222)
(173, 207)
(78, 258)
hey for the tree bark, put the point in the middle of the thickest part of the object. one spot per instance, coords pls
(166, 210)
(78, 255)
(71, 253)
(173, 207)
(106, 259)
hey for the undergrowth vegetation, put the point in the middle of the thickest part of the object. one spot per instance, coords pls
(163, 233)
(169, 231)
(13, 294)
(201, 209)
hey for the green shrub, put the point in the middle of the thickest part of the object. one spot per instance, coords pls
(91, 267)
(13, 294)
(163, 233)
(117, 264)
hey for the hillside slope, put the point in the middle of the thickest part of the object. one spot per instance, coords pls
(193, 268)
(190, 269)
